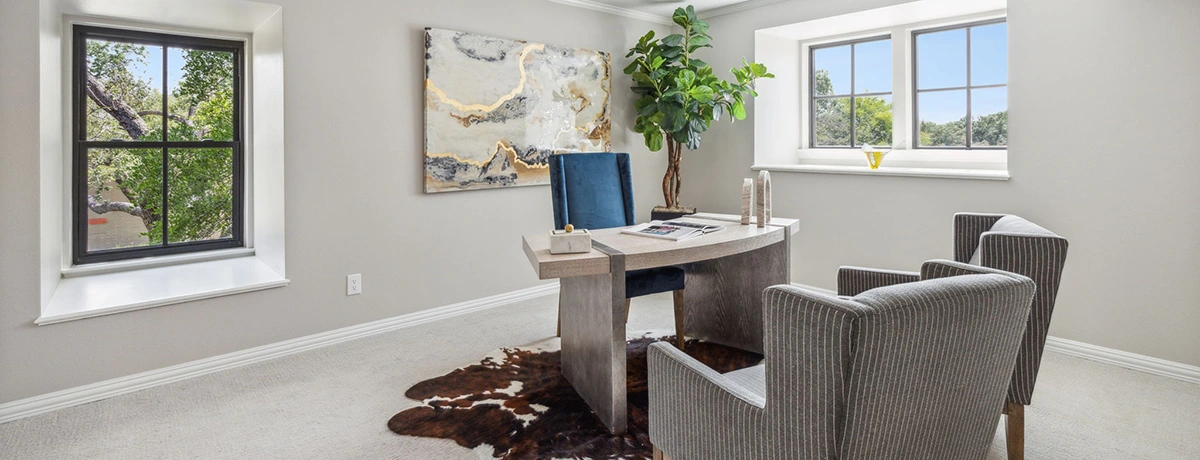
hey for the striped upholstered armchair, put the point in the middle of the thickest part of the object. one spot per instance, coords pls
(916, 370)
(1008, 243)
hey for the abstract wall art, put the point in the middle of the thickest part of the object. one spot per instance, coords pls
(496, 109)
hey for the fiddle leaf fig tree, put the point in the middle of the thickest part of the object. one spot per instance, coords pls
(678, 95)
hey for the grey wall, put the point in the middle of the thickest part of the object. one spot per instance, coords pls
(353, 200)
(1102, 96)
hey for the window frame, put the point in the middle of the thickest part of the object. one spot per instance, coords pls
(812, 89)
(80, 146)
(916, 92)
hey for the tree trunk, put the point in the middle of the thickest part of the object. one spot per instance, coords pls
(128, 118)
(672, 180)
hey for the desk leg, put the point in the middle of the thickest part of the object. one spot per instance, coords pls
(593, 341)
(723, 297)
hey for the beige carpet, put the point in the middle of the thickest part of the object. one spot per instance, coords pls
(334, 403)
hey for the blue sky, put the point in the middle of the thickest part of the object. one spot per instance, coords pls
(151, 70)
(942, 60)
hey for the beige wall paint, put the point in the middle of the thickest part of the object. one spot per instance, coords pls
(1101, 95)
(353, 200)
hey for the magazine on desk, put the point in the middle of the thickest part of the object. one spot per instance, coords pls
(675, 230)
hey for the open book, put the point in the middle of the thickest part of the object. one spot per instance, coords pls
(675, 230)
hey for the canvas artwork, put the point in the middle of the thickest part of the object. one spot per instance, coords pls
(496, 109)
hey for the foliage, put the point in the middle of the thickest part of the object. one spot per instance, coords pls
(200, 107)
(873, 123)
(678, 96)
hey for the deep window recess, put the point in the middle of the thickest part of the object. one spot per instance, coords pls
(157, 138)
(851, 99)
(960, 86)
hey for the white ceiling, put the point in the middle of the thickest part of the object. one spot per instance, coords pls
(663, 8)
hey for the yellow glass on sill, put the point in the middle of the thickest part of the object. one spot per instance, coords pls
(874, 155)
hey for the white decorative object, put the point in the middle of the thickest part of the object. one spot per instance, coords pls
(747, 198)
(570, 242)
(763, 199)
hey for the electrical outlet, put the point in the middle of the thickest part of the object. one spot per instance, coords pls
(354, 284)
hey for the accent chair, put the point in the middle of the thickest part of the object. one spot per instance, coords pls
(915, 370)
(1009, 243)
(595, 191)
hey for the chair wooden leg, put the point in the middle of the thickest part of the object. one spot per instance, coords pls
(627, 301)
(659, 455)
(1014, 430)
(558, 329)
(679, 331)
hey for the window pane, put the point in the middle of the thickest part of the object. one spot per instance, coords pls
(124, 198)
(832, 122)
(873, 121)
(200, 195)
(124, 91)
(832, 71)
(943, 116)
(989, 117)
(942, 59)
(201, 94)
(873, 67)
(989, 54)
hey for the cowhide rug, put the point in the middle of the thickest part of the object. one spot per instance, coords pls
(515, 404)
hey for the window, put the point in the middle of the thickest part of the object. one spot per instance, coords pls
(157, 144)
(961, 93)
(851, 86)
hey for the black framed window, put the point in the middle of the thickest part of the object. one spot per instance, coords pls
(158, 146)
(960, 83)
(851, 95)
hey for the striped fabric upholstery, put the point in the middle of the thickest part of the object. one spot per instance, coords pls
(853, 281)
(915, 370)
(1036, 253)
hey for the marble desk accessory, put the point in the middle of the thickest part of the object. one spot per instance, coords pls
(763, 199)
(570, 241)
(747, 198)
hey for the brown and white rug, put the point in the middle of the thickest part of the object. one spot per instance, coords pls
(515, 404)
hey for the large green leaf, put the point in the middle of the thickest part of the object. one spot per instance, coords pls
(684, 79)
(701, 93)
(654, 140)
(672, 40)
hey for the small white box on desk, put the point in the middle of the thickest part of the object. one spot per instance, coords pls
(573, 242)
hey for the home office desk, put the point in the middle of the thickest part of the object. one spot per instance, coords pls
(727, 272)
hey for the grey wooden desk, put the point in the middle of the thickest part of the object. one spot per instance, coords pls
(727, 272)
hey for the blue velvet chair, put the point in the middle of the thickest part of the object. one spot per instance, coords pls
(594, 191)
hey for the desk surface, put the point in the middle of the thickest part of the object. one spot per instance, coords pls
(643, 252)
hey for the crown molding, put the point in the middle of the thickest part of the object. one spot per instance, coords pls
(737, 8)
(626, 12)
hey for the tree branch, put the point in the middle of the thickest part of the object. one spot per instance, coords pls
(128, 118)
(102, 207)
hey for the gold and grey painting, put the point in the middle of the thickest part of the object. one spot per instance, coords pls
(496, 109)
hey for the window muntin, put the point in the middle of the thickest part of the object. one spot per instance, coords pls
(145, 184)
(851, 93)
(960, 86)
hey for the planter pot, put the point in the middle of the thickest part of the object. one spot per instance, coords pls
(665, 213)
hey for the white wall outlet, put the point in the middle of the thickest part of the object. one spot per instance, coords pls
(354, 284)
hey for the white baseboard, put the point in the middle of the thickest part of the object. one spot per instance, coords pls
(1124, 359)
(1100, 354)
(109, 388)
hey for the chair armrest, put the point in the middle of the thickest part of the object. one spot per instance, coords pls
(940, 268)
(696, 412)
(968, 226)
(853, 281)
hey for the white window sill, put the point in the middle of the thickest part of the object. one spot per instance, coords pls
(939, 173)
(979, 164)
(151, 262)
(108, 293)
